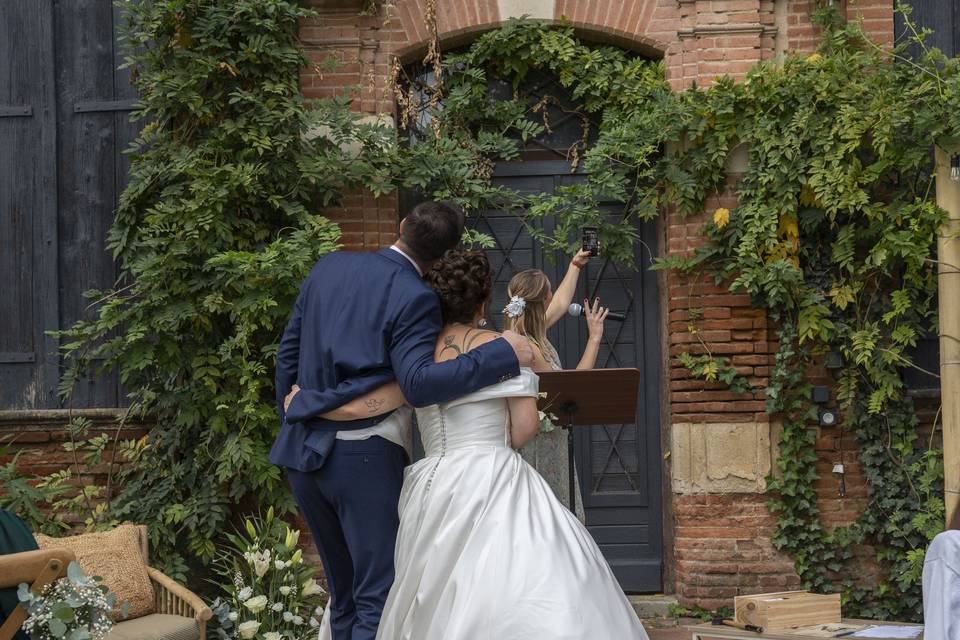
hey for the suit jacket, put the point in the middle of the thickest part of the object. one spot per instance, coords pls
(362, 320)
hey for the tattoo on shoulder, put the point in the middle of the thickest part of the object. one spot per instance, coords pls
(450, 342)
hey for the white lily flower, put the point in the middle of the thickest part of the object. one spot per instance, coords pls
(310, 588)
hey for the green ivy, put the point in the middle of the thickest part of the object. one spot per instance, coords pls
(219, 224)
(834, 235)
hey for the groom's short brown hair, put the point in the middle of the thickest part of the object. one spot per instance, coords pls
(432, 228)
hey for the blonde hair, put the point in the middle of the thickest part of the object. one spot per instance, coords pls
(534, 287)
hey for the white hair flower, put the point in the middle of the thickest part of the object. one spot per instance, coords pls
(515, 307)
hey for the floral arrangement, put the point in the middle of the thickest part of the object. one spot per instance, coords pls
(269, 593)
(77, 607)
(548, 420)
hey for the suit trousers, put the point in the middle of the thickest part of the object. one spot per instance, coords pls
(350, 505)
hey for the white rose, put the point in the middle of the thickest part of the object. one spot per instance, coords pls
(232, 616)
(277, 606)
(257, 604)
(245, 593)
(297, 621)
(248, 629)
(285, 590)
(311, 588)
(279, 564)
(271, 635)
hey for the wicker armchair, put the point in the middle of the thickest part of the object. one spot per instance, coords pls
(170, 597)
(37, 569)
(40, 568)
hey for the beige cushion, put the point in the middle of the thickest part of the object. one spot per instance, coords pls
(115, 556)
(156, 626)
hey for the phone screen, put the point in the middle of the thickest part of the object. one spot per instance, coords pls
(591, 241)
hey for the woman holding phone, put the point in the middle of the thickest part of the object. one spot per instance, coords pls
(534, 307)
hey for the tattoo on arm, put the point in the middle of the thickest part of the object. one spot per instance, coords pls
(374, 405)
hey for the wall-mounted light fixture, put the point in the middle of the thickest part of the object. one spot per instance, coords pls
(833, 361)
(828, 418)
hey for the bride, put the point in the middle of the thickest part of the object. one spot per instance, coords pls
(485, 551)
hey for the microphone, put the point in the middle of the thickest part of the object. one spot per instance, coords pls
(576, 310)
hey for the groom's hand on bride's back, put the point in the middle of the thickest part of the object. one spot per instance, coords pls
(521, 347)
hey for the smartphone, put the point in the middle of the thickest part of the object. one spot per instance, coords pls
(591, 241)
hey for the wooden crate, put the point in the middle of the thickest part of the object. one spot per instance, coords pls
(787, 609)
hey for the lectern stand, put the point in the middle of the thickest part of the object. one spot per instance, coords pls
(589, 397)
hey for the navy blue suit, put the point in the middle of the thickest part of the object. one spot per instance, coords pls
(362, 320)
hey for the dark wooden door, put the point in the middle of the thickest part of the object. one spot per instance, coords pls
(64, 123)
(941, 16)
(618, 465)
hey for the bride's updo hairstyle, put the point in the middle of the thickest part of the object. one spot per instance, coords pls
(463, 281)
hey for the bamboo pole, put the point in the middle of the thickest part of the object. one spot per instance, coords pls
(948, 249)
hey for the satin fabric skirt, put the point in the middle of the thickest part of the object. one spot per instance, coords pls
(486, 551)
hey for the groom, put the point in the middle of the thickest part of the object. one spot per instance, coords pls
(362, 320)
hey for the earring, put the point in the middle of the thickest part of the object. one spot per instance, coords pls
(482, 323)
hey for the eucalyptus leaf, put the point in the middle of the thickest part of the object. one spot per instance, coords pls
(57, 627)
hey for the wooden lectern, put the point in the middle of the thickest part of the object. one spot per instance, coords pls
(586, 398)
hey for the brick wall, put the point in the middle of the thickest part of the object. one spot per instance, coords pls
(720, 525)
(719, 531)
(38, 437)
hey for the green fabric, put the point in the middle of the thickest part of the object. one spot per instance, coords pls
(15, 537)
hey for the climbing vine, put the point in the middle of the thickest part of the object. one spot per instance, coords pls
(834, 234)
(219, 224)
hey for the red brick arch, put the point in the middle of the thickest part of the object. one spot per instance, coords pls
(626, 25)
(698, 39)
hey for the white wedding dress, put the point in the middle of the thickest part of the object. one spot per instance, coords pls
(485, 550)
